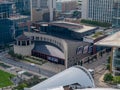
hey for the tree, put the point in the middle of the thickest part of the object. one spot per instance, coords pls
(108, 67)
(21, 86)
(108, 77)
(76, 14)
(96, 23)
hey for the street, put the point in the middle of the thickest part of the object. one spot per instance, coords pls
(100, 69)
(98, 66)
(26, 66)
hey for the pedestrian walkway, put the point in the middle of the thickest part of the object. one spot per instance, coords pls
(53, 67)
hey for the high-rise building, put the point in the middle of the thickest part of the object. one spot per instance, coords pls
(5, 9)
(5, 25)
(116, 13)
(21, 6)
(98, 10)
(42, 10)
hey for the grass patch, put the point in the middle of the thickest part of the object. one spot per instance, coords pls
(32, 61)
(5, 79)
(97, 34)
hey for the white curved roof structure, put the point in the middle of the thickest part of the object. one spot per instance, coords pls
(76, 74)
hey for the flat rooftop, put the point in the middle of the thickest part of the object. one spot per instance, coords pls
(73, 26)
(111, 41)
(17, 17)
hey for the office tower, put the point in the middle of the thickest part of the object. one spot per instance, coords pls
(21, 6)
(116, 14)
(98, 10)
(116, 27)
(5, 9)
(5, 25)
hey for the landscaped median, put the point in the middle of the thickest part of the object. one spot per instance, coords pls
(35, 60)
(5, 79)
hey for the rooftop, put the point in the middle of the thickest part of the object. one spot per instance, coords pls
(73, 26)
(111, 41)
(22, 37)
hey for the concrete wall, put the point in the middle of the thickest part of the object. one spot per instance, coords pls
(84, 9)
(23, 50)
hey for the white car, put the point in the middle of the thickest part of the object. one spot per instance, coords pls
(91, 72)
(32, 64)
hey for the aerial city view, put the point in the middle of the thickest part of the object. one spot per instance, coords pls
(59, 44)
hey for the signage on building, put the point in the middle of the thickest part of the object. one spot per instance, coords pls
(90, 49)
(85, 49)
(79, 50)
(85, 39)
(53, 59)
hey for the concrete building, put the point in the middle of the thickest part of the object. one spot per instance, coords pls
(75, 77)
(66, 5)
(42, 10)
(23, 45)
(64, 46)
(66, 29)
(116, 14)
(113, 41)
(98, 10)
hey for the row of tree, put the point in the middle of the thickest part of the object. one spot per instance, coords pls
(96, 23)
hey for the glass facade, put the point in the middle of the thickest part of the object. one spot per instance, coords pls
(5, 31)
(5, 24)
(100, 10)
(116, 14)
(21, 6)
(5, 9)
(116, 61)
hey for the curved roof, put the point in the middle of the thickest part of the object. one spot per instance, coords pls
(49, 50)
(76, 74)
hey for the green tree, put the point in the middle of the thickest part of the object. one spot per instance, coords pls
(108, 77)
(108, 67)
(96, 23)
(21, 86)
(108, 60)
(76, 14)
